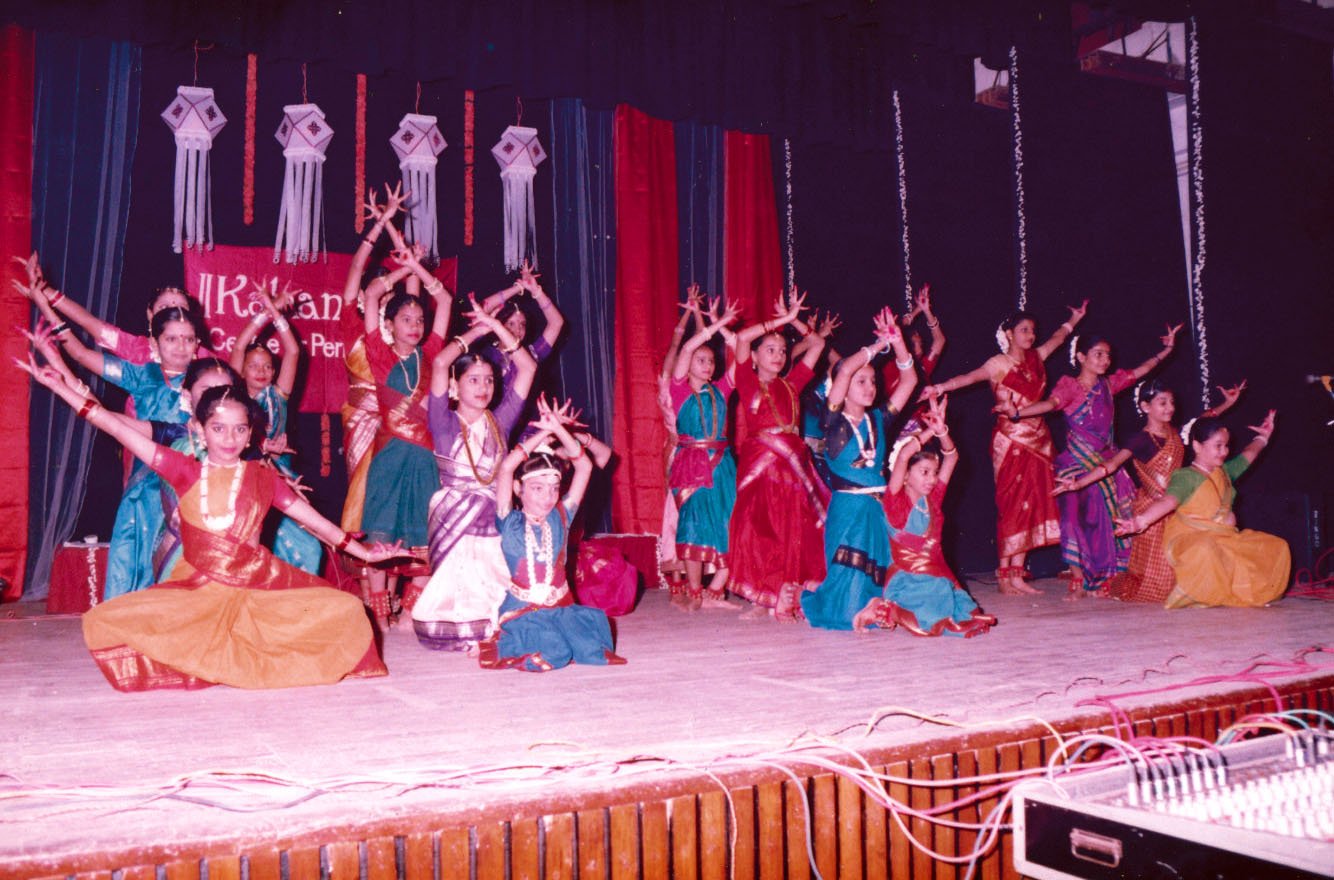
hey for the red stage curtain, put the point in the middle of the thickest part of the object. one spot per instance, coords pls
(752, 266)
(16, 72)
(646, 296)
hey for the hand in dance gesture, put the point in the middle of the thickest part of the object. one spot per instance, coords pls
(409, 255)
(921, 306)
(394, 199)
(825, 327)
(728, 314)
(1077, 312)
(694, 299)
(1230, 395)
(1002, 407)
(1265, 429)
(382, 552)
(1064, 484)
(36, 285)
(44, 342)
(886, 329)
(1169, 339)
(528, 278)
(276, 446)
(934, 417)
(788, 308)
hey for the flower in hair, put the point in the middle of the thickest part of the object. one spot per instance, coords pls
(385, 333)
(1138, 408)
(1074, 348)
(1185, 431)
(1002, 341)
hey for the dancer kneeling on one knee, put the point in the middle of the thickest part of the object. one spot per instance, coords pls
(922, 594)
(540, 626)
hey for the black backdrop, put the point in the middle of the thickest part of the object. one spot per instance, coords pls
(1100, 183)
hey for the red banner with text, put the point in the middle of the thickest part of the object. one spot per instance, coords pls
(223, 278)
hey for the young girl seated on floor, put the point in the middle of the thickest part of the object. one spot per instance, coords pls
(540, 627)
(921, 594)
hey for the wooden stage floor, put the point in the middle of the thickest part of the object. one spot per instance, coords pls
(85, 767)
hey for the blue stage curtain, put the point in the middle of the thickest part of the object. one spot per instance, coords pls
(699, 181)
(85, 123)
(584, 271)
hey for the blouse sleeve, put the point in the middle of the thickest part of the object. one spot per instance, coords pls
(540, 349)
(181, 471)
(1141, 446)
(1235, 467)
(1067, 392)
(1183, 484)
(442, 420)
(283, 494)
(1121, 380)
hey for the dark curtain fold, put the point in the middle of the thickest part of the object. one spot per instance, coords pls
(699, 175)
(86, 123)
(16, 70)
(646, 294)
(583, 267)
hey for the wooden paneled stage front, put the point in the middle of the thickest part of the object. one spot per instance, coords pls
(694, 760)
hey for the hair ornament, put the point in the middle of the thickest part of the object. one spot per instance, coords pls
(385, 333)
(1074, 349)
(1185, 431)
(1002, 341)
(898, 446)
(1139, 409)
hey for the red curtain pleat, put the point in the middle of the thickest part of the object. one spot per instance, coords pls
(646, 296)
(752, 265)
(16, 72)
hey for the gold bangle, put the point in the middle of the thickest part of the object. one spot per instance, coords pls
(461, 343)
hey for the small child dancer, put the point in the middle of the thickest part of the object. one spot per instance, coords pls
(921, 594)
(540, 626)
(703, 473)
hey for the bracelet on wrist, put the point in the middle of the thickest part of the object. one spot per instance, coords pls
(953, 450)
(1068, 327)
(344, 542)
(461, 343)
(88, 408)
(903, 365)
(513, 348)
(60, 329)
(933, 324)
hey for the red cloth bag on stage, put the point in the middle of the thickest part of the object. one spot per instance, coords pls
(604, 578)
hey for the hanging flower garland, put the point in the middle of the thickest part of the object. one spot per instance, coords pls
(1017, 144)
(469, 121)
(359, 159)
(789, 234)
(1197, 193)
(903, 201)
(248, 163)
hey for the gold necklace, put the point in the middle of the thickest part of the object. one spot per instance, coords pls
(407, 377)
(764, 393)
(467, 446)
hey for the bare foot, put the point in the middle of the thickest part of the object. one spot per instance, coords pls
(755, 612)
(681, 602)
(786, 615)
(1013, 586)
(712, 601)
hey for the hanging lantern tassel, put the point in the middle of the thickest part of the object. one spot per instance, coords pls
(417, 142)
(305, 136)
(519, 153)
(196, 120)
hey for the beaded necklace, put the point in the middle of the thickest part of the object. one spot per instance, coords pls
(223, 522)
(866, 449)
(539, 589)
(408, 380)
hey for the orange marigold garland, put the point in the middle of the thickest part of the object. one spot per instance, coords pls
(359, 190)
(467, 166)
(248, 171)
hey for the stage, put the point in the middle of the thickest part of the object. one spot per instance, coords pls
(692, 760)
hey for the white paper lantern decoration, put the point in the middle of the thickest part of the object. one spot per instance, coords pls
(305, 136)
(195, 119)
(417, 142)
(519, 153)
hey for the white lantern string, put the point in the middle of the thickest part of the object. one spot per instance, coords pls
(1197, 190)
(305, 137)
(418, 142)
(903, 202)
(1017, 145)
(519, 153)
(195, 119)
